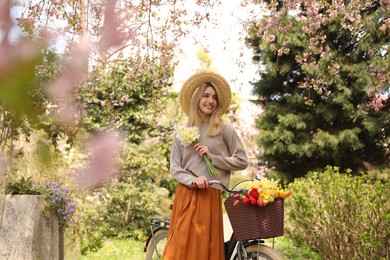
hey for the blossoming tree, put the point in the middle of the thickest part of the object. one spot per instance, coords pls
(324, 83)
(114, 62)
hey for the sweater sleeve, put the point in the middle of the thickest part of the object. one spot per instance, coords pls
(237, 158)
(176, 169)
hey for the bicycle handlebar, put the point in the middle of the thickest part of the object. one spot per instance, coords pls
(194, 186)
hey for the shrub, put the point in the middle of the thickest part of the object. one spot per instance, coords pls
(340, 216)
(121, 210)
(380, 174)
(130, 206)
(124, 207)
(91, 224)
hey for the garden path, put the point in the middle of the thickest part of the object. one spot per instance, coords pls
(227, 228)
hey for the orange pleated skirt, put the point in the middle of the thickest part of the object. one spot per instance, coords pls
(196, 229)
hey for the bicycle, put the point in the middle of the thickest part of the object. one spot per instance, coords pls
(242, 249)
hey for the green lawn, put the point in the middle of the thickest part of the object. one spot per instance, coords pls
(134, 250)
(118, 250)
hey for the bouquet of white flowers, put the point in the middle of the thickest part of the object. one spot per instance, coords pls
(190, 135)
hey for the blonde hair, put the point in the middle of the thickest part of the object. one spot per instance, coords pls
(195, 117)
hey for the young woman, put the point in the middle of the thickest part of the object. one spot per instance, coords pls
(196, 229)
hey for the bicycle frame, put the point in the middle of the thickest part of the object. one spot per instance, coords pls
(231, 245)
(156, 224)
(234, 244)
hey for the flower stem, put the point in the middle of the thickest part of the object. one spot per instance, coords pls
(210, 167)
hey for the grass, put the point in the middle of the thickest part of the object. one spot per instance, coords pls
(118, 250)
(291, 250)
(131, 249)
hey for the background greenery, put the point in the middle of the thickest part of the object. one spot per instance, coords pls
(340, 210)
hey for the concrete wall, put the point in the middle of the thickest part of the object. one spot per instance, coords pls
(25, 233)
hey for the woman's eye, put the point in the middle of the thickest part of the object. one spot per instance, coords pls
(207, 96)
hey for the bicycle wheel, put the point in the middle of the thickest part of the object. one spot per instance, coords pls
(259, 252)
(156, 247)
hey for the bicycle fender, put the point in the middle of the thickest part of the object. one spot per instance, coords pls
(150, 237)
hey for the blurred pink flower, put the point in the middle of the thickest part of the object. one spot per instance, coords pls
(62, 90)
(111, 34)
(5, 18)
(105, 148)
(68, 112)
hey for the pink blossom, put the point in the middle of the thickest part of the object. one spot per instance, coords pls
(68, 112)
(5, 18)
(313, 65)
(378, 102)
(62, 90)
(111, 35)
(244, 3)
(50, 36)
(75, 70)
(105, 148)
(371, 92)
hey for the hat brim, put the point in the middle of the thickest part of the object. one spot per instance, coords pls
(191, 84)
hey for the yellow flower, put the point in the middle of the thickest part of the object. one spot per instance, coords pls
(268, 189)
(188, 135)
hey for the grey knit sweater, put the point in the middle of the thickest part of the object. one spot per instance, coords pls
(227, 148)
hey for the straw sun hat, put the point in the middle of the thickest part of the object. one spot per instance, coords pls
(191, 84)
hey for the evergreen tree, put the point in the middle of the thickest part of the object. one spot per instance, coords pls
(324, 84)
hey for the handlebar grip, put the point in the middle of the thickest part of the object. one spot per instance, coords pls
(193, 186)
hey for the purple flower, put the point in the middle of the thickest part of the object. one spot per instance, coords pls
(59, 202)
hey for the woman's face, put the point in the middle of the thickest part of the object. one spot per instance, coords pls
(208, 102)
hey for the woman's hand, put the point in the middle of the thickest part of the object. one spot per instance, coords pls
(202, 149)
(202, 182)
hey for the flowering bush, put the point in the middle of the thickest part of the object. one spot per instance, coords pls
(190, 135)
(262, 192)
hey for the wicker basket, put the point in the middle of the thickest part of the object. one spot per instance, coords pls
(254, 222)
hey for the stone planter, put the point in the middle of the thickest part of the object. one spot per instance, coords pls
(25, 233)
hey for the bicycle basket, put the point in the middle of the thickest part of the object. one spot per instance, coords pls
(255, 222)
